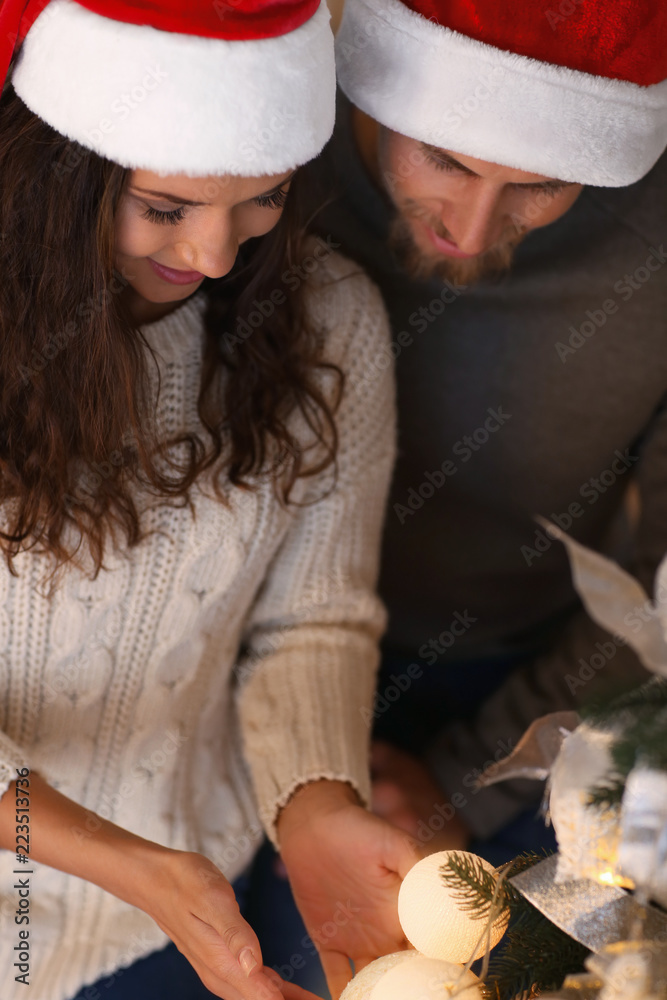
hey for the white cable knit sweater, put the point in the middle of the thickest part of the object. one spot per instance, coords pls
(120, 690)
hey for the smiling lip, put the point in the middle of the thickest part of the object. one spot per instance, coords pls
(173, 276)
(443, 245)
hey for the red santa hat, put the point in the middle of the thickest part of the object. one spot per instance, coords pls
(570, 89)
(243, 87)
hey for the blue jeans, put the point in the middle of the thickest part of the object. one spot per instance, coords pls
(164, 975)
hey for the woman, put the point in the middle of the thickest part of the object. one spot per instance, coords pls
(191, 496)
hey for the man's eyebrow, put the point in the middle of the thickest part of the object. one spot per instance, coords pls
(186, 201)
(552, 182)
(440, 154)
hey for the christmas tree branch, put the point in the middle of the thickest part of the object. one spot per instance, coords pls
(535, 954)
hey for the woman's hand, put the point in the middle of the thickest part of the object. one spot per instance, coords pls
(187, 896)
(345, 867)
(194, 904)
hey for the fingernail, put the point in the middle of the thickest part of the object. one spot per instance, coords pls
(247, 961)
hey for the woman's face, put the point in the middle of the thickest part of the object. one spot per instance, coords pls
(173, 231)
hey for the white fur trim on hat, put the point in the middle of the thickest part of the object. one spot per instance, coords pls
(440, 87)
(176, 103)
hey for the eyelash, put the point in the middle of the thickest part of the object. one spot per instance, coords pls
(275, 201)
(170, 218)
(551, 188)
(440, 164)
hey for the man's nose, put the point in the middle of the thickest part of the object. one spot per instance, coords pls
(476, 224)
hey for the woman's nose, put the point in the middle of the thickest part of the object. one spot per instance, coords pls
(213, 256)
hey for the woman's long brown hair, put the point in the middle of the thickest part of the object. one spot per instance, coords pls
(75, 427)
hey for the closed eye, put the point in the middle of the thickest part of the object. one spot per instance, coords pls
(443, 164)
(274, 200)
(172, 218)
(549, 187)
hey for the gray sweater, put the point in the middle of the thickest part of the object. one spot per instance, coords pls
(542, 393)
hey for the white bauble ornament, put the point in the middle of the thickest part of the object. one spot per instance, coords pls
(587, 836)
(366, 980)
(427, 979)
(432, 920)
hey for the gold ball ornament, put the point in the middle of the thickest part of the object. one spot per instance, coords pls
(431, 919)
(427, 979)
(361, 987)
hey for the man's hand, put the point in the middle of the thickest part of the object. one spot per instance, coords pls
(345, 867)
(405, 794)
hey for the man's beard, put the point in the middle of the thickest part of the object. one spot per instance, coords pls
(459, 270)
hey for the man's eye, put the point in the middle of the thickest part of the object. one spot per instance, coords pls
(170, 218)
(440, 164)
(551, 188)
(276, 200)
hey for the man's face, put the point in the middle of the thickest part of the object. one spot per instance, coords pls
(458, 217)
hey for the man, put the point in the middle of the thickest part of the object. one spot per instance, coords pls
(503, 182)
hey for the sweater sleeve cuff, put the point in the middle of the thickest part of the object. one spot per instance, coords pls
(304, 715)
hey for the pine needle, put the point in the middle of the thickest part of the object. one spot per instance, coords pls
(535, 955)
